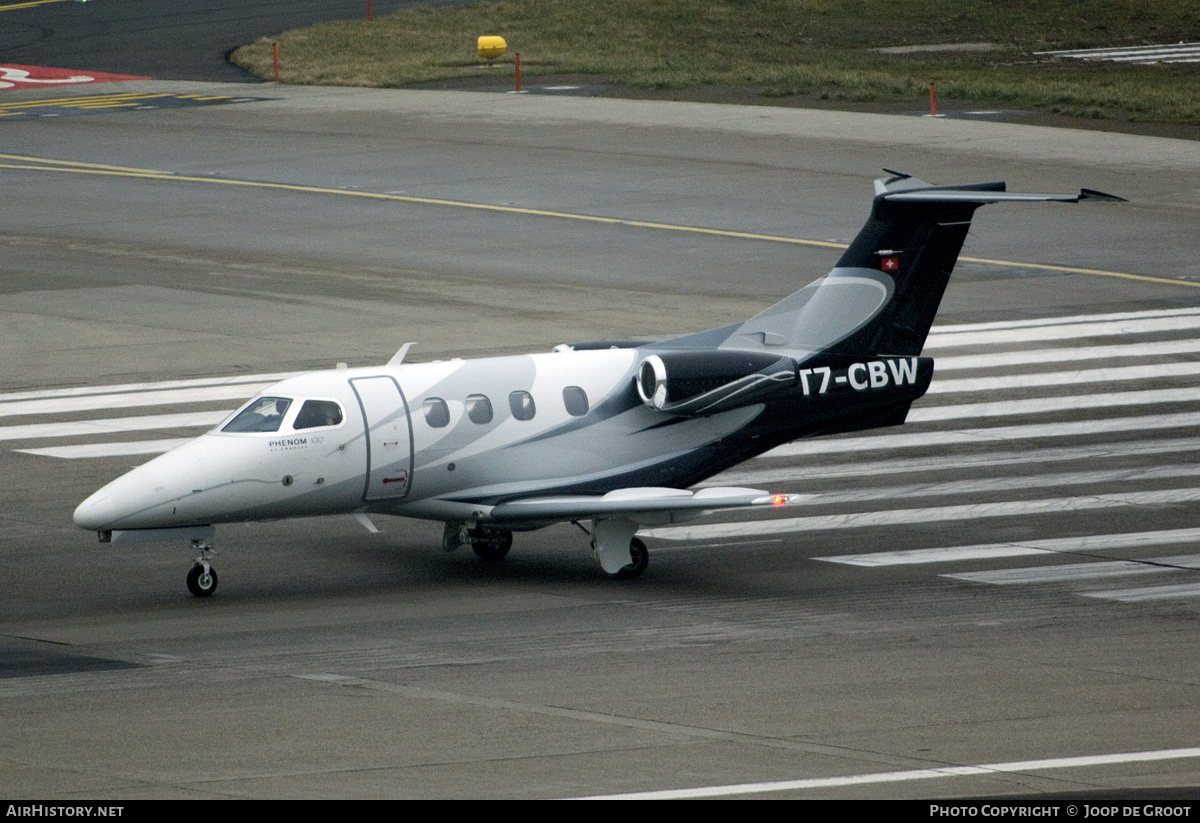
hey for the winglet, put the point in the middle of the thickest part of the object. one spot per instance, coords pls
(398, 357)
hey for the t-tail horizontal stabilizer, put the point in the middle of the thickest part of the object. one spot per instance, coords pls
(881, 297)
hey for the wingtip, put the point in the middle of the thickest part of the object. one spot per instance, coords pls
(1103, 197)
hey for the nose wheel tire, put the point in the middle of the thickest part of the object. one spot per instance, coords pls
(202, 580)
(490, 544)
(640, 557)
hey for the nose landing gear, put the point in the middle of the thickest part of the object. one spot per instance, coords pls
(202, 578)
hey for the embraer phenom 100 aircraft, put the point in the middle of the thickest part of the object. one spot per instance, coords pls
(608, 431)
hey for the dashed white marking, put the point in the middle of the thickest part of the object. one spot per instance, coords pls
(904, 776)
(1141, 595)
(935, 514)
(875, 468)
(1080, 571)
(1065, 378)
(108, 449)
(1178, 53)
(60, 405)
(1007, 336)
(914, 557)
(988, 551)
(1041, 405)
(33, 431)
(264, 379)
(1075, 319)
(993, 485)
(996, 434)
(1034, 356)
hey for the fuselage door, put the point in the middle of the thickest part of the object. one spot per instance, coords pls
(389, 437)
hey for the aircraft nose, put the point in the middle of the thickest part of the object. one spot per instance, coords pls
(123, 498)
(146, 497)
(97, 511)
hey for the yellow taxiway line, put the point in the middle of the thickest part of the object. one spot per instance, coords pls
(17, 161)
(32, 3)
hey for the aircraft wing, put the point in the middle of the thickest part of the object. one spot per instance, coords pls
(632, 502)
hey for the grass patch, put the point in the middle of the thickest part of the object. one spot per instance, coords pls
(823, 49)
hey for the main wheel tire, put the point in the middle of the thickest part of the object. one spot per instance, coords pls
(490, 544)
(200, 582)
(640, 557)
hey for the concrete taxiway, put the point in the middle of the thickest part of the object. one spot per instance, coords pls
(997, 599)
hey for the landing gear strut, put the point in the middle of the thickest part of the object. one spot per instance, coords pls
(620, 553)
(202, 578)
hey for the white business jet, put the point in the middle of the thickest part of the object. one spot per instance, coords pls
(610, 432)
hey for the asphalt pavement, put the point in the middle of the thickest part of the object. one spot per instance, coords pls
(166, 39)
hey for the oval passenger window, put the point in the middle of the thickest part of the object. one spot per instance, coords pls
(479, 408)
(521, 403)
(437, 413)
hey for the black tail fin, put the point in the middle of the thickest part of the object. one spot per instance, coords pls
(881, 297)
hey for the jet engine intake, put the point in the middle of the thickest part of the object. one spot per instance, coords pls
(702, 383)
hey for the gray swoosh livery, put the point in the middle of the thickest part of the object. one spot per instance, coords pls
(613, 432)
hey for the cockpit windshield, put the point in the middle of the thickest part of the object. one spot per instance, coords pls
(263, 415)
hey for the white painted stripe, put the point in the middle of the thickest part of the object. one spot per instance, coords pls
(987, 551)
(159, 386)
(80, 428)
(993, 485)
(1079, 571)
(936, 514)
(1034, 322)
(917, 557)
(1161, 348)
(878, 443)
(1041, 405)
(1126, 49)
(1064, 378)
(61, 405)
(958, 461)
(1141, 595)
(1065, 331)
(109, 449)
(904, 776)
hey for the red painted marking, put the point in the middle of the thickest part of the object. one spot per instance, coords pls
(889, 263)
(41, 77)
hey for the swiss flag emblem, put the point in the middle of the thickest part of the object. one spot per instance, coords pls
(890, 263)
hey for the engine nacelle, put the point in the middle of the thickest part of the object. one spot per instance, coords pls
(706, 382)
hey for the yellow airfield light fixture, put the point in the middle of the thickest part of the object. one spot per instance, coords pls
(491, 47)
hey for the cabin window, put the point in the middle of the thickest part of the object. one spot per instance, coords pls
(316, 413)
(479, 408)
(521, 403)
(263, 415)
(575, 399)
(437, 413)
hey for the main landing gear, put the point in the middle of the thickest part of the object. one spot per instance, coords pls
(489, 544)
(640, 558)
(202, 578)
(620, 553)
